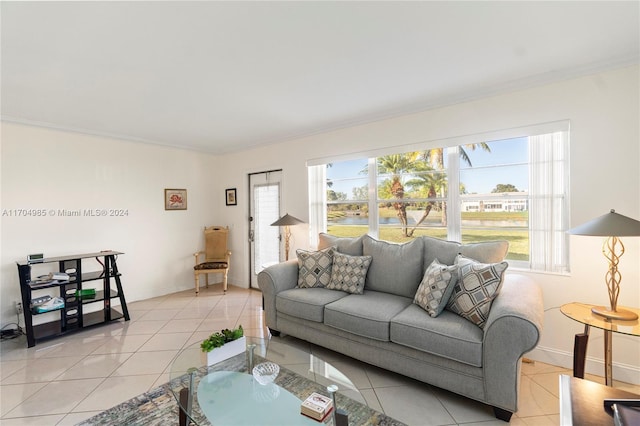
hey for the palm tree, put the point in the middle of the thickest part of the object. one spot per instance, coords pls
(429, 183)
(329, 181)
(396, 165)
(435, 157)
(430, 179)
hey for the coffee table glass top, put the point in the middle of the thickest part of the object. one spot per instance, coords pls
(220, 391)
(581, 312)
(226, 393)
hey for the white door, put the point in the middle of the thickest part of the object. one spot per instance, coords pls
(264, 209)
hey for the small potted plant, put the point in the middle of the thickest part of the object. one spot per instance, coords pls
(224, 344)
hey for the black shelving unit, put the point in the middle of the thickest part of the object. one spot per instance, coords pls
(78, 312)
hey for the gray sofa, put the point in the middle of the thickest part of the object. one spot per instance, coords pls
(384, 327)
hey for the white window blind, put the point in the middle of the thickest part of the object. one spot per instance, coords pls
(317, 202)
(549, 201)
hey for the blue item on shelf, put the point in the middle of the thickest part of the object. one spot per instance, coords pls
(51, 305)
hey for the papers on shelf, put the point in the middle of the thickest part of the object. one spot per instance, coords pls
(51, 278)
(61, 276)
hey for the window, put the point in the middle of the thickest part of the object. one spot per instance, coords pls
(475, 189)
(494, 194)
(347, 191)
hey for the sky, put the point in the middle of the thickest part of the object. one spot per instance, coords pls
(481, 178)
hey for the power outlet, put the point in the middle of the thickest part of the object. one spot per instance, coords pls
(19, 308)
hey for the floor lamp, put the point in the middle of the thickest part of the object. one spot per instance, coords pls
(287, 221)
(611, 225)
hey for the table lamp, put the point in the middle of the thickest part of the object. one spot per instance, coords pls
(611, 225)
(287, 221)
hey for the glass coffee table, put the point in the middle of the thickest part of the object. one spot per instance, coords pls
(227, 394)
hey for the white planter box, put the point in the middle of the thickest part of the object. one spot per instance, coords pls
(227, 351)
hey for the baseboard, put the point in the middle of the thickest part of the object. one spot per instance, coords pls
(621, 372)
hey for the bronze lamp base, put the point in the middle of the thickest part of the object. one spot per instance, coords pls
(618, 314)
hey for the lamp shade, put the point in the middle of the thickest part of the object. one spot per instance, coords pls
(287, 220)
(611, 224)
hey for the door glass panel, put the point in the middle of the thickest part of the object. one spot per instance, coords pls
(267, 211)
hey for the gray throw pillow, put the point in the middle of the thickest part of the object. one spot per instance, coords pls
(348, 273)
(396, 268)
(314, 267)
(446, 251)
(436, 288)
(347, 245)
(478, 284)
(486, 251)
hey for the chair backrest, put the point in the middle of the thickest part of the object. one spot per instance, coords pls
(216, 242)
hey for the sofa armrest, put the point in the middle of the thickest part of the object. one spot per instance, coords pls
(512, 329)
(273, 280)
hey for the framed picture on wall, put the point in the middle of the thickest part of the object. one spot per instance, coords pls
(175, 199)
(231, 197)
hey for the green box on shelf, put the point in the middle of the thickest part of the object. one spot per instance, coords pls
(86, 292)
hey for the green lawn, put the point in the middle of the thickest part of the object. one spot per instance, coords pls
(385, 212)
(518, 240)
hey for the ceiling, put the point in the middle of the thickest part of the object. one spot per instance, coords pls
(227, 76)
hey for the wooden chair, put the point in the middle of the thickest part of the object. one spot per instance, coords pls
(216, 256)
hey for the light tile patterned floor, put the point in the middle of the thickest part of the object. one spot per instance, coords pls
(66, 380)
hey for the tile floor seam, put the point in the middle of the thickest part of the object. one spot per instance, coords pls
(545, 390)
(86, 396)
(33, 395)
(378, 400)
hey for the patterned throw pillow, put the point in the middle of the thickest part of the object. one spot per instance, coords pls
(478, 284)
(314, 267)
(436, 287)
(349, 273)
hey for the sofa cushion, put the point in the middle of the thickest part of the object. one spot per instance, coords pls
(314, 267)
(449, 335)
(306, 303)
(349, 273)
(486, 252)
(478, 284)
(366, 315)
(446, 251)
(395, 268)
(350, 246)
(436, 287)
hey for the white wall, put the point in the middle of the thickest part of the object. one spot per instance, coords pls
(605, 152)
(52, 170)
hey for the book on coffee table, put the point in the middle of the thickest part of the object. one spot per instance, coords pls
(316, 406)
